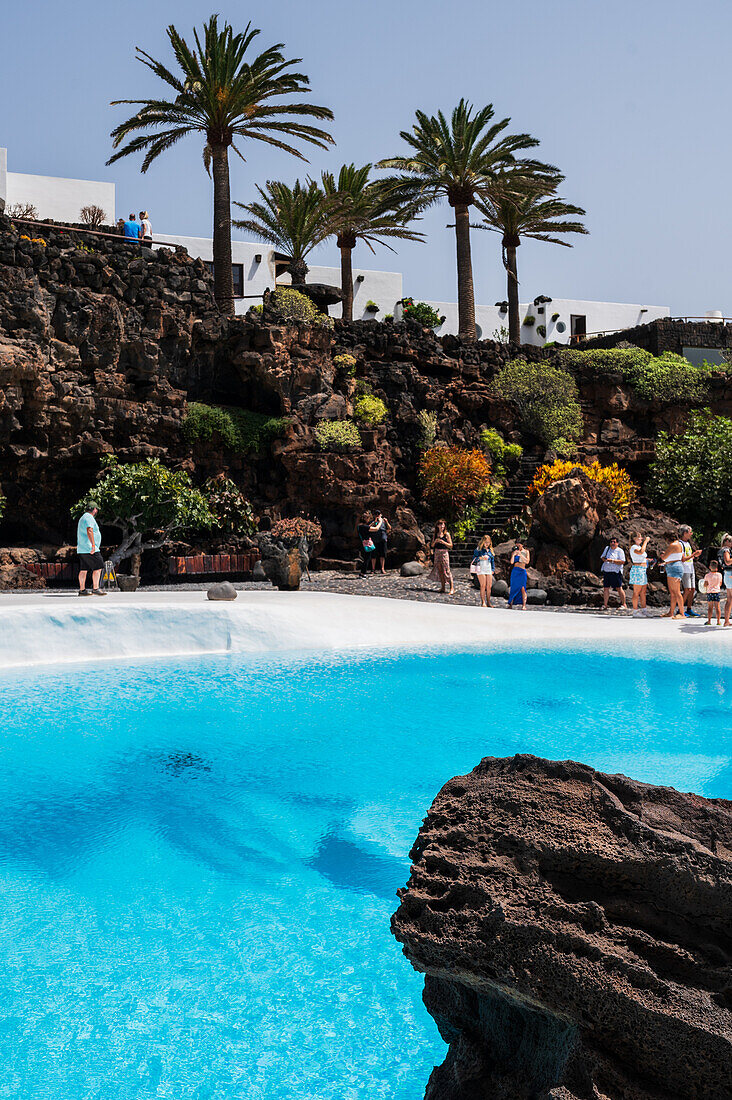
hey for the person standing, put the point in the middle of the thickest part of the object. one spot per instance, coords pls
(712, 586)
(613, 560)
(380, 528)
(520, 558)
(441, 546)
(639, 573)
(131, 229)
(673, 561)
(483, 565)
(726, 556)
(367, 544)
(88, 543)
(145, 228)
(688, 579)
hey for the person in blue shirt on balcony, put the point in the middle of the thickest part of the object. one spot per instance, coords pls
(132, 228)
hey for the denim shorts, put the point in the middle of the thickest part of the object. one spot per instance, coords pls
(675, 569)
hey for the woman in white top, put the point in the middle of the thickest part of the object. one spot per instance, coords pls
(145, 228)
(673, 559)
(638, 573)
(725, 560)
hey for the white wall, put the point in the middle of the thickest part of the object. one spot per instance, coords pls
(59, 199)
(383, 287)
(601, 317)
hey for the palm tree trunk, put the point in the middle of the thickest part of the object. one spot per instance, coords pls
(347, 282)
(514, 321)
(223, 278)
(466, 295)
(298, 271)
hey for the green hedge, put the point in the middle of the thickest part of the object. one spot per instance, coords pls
(370, 410)
(668, 377)
(545, 398)
(240, 430)
(336, 435)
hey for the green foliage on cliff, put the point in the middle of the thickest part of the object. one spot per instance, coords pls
(544, 397)
(422, 313)
(370, 410)
(240, 430)
(336, 435)
(427, 428)
(3, 502)
(669, 378)
(231, 509)
(147, 502)
(691, 476)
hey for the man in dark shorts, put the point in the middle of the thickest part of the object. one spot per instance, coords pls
(88, 542)
(613, 560)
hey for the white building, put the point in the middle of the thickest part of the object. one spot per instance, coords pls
(256, 268)
(54, 198)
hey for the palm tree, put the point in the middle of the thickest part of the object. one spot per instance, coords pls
(224, 96)
(362, 210)
(457, 161)
(521, 204)
(293, 219)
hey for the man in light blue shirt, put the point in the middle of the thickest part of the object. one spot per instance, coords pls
(88, 542)
(131, 228)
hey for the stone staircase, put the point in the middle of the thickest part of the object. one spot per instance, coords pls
(510, 504)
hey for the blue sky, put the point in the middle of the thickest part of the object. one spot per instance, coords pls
(630, 99)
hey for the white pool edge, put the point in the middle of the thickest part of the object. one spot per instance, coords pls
(53, 630)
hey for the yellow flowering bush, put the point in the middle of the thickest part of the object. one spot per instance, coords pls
(623, 490)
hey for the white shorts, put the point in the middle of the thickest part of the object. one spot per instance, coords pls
(484, 569)
(688, 580)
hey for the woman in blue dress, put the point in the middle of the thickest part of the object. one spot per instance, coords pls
(519, 578)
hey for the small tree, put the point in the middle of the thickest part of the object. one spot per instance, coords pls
(93, 216)
(22, 210)
(692, 473)
(453, 478)
(147, 503)
(545, 398)
(232, 512)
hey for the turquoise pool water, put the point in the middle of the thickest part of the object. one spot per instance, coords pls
(198, 859)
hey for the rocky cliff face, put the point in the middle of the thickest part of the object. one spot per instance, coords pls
(575, 933)
(102, 346)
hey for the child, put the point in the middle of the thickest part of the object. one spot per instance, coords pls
(712, 585)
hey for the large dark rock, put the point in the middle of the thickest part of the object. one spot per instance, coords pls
(570, 511)
(283, 562)
(575, 930)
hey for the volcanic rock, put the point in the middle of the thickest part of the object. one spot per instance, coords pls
(412, 569)
(224, 590)
(575, 930)
(569, 511)
(283, 564)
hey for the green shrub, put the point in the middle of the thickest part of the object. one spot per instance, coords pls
(529, 320)
(513, 453)
(346, 363)
(564, 448)
(370, 410)
(474, 512)
(691, 476)
(492, 441)
(371, 306)
(427, 428)
(3, 502)
(422, 313)
(545, 398)
(336, 435)
(668, 377)
(388, 316)
(287, 304)
(541, 330)
(240, 430)
(231, 508)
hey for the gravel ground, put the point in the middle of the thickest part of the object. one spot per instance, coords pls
(394, 587)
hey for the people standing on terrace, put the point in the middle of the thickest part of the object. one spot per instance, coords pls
(483, 565)
(380, 528)
(639, 573)
(725, 555)
(441, 545)
(131, 229)
(613, 560)
(673, 560)
(712, 586)
(520, 559)
(368, 546)
(688, 579)
(145, 228)
(88, 543)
